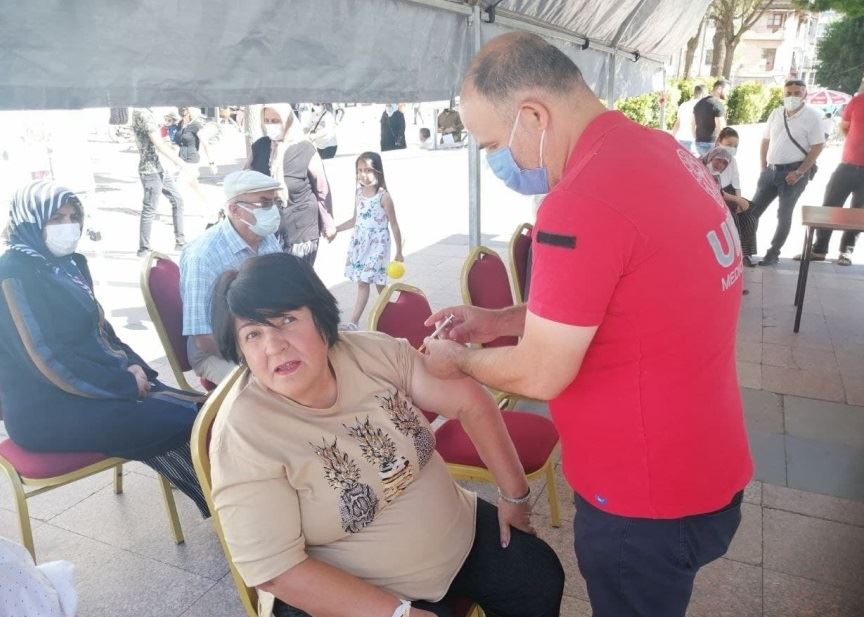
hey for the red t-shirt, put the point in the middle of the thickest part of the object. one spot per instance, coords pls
(636, 239)
(853, 149)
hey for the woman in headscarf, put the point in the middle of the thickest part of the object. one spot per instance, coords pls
(289, 157)
(720, 161)
(67, 382)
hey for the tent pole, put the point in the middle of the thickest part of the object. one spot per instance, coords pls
(610, 83)
(474, 156)
(663, 102)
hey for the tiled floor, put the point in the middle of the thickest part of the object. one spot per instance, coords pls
(799, 551)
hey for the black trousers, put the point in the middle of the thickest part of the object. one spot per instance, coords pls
(154, 185)
(846, 180)
(328, 152)
(523, 580)
(639, 567)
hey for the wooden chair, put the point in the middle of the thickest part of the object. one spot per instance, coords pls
(160, 286)
(34, 473)
(201, 459)
(520, 261)
(400, 312)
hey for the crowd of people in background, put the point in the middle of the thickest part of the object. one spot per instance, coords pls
(793, 138)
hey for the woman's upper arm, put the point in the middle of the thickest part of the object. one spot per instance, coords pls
(446, 397)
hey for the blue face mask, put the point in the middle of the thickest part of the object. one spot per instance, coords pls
(525, 181)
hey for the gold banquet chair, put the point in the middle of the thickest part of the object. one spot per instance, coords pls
(520, 261)
(34, 473)
(201, 459)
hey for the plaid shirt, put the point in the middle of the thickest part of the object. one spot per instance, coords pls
(217, 250)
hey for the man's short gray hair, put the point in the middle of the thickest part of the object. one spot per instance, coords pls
(527, 62)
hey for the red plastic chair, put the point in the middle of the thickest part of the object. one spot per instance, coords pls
(520, 261)
(160, 286)
(34, 473)
(485, 283)
(534, 436)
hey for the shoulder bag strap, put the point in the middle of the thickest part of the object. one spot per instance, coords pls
(789, 133)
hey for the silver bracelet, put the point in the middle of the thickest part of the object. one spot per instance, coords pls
(517, 500)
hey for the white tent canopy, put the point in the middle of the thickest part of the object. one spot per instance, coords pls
(65, 54)
(68, 54)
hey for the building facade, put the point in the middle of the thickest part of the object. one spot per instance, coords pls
(780, 45)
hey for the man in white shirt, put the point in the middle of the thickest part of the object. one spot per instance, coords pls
(792, 142)
(684, 122)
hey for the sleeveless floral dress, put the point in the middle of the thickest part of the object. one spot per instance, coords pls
(369, 252)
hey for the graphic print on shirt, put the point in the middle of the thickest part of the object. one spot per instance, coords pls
(394, 469)
(358, 503)
(406, 419)
(728, 251)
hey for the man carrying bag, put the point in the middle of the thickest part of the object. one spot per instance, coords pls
(792, 142)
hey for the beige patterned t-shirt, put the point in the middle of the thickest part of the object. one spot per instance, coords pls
(358, 486)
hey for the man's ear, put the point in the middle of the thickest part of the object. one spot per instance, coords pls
(535, 115)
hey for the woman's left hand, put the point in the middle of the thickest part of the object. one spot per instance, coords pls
(513, 515)
(743, 204)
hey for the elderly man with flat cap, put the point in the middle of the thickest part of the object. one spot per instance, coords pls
(249, 228)
(629, 329)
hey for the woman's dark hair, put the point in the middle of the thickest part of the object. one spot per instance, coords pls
(727, 131)
(374, 160)
(265, 287)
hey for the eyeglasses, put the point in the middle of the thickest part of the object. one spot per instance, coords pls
(264, 203)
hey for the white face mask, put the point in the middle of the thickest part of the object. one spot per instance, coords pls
(273, 131)
(791, 103)
(266, 220)
(62, 239)
(733, 150)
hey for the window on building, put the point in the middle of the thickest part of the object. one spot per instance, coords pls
(708, 54)
(768, 57)
(775, 21)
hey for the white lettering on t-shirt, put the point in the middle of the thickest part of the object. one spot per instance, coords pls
(728, 251)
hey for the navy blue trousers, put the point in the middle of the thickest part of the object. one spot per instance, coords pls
(639, 567)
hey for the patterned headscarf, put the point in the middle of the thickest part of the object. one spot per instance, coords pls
(31, 208)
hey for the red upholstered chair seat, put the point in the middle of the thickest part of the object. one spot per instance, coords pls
(36, 465)
(207, 384)
(534, 436)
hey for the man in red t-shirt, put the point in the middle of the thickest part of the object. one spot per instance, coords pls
(847, 179)
(629, 330)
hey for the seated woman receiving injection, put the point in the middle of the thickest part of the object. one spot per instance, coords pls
(325, 475)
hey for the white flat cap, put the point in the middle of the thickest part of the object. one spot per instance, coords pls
(247, 181)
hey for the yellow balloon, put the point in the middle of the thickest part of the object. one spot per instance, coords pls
(395, 269)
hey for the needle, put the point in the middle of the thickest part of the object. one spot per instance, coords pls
(439, 330)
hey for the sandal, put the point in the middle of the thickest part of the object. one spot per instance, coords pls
(844, 260)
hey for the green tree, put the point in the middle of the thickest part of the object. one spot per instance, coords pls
(852, 8)
(841, 55)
